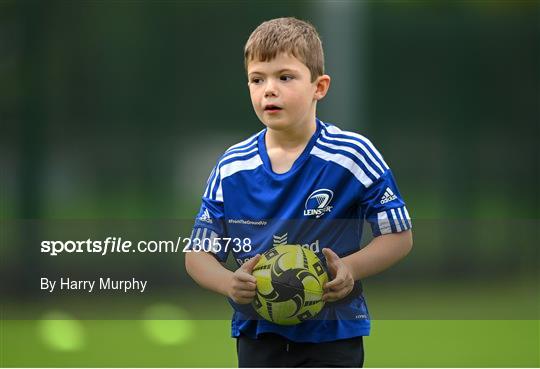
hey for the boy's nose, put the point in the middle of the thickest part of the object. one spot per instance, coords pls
(270, 89)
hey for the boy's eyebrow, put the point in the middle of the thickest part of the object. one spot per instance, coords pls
(278, 72)
(287, 70)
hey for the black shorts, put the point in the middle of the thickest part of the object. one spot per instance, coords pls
(272, 350)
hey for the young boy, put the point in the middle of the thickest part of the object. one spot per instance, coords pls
(299, 181)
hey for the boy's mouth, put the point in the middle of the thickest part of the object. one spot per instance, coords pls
(272, 108)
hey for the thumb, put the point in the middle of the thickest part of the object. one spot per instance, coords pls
(331, 259)
(330, 255)
(250, 264)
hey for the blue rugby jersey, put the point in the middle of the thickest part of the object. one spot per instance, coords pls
(338, 181)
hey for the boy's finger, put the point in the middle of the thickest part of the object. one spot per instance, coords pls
(243, 300)
(335, 295)
(329, 265)
(332, 261)
(250, 264)
(330, 255)
(334, 284)
(339, 274)
(246, 286)
(330, 297)
(246, 294)
(245, 277)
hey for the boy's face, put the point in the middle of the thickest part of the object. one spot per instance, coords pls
(282, 93)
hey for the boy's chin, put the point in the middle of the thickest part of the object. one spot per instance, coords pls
(277, 124)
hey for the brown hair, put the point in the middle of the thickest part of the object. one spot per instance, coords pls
(288, 35)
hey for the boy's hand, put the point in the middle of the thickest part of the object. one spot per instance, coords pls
(342, 283)
(243, 284)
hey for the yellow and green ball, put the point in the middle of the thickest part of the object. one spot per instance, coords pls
(290, 281)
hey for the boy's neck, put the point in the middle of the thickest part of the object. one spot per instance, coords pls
(291, 138)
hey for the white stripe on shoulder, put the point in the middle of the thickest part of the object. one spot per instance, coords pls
(364, 152)
(238, 165)
(234, 167)
(220, 165)
(208, 184)
(365, 141)
(239, 149)
(345, 162)
(352, 151)
(237, 155)
(211, 174)
(246, 141)
(213, 184)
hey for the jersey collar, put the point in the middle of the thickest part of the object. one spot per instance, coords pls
(297, 163)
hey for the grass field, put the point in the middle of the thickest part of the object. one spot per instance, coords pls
(407, 330)
(394, 343)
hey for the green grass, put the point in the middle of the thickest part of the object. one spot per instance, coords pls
(117, 344)
(408, 330)
(394, 343)
(458, 343)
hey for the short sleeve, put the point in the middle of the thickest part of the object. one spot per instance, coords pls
(384, 207)
(209, 223)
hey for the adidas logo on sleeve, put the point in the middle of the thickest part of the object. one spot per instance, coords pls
(205, 217)
(388, 196)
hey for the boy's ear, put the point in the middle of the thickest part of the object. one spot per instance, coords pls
(322, 84)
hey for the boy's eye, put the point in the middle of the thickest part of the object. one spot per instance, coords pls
(256, 80)
(286, 78)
